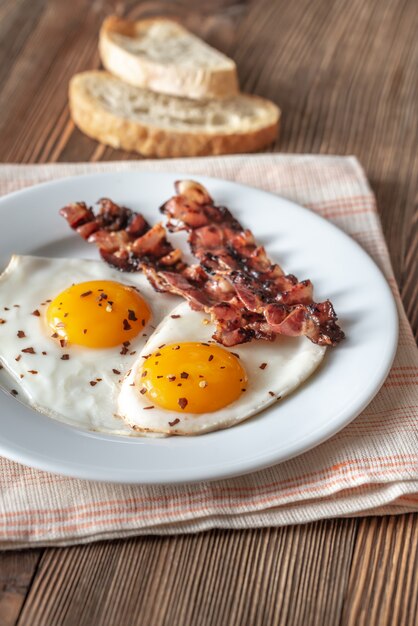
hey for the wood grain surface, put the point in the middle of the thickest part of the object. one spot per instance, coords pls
(345, 76)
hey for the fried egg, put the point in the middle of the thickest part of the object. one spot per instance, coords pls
(183, 383)
(69, 331)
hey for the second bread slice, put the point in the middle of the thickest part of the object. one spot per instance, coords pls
(155, 124)
(161, 55)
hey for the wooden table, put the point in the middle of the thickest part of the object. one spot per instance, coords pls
(345, 76)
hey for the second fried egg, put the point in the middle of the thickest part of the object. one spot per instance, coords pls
(183, 383)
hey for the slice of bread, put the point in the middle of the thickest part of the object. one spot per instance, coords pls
(161, 55)
(155, 124)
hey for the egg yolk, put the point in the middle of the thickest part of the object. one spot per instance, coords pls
(192, 377)
(98, 314)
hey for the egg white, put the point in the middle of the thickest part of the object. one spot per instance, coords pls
(290, 361)
(62, 389)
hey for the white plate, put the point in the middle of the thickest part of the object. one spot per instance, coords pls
(304, 244)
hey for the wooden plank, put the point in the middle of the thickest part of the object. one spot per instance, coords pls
(383, 585)
(273, 576)
(17, 19)
(17, 570)
(344, 75)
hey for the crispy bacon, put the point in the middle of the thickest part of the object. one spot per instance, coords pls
(226, 249)
(246, 296)
(124, 238)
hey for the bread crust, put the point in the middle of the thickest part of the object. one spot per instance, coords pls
(202, 83)
(119, 132)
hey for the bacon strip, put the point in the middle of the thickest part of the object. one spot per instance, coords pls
(226, 249)
(124, 238)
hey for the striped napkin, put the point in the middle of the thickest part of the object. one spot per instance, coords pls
(371, 467)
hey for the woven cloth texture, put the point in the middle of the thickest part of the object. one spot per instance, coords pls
(370, 467)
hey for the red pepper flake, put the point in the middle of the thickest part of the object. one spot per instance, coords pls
(160, 376)
(63, 343)
(126, 344)
(162, 346)
(6, 308)
(14, 392)
(22, 376)
(147, 408)
(44, 353)
(17, 306)
(32, 371)
(243, 390)
(171, 378)
(55, 335)
(210, 357)
(124, 351)
(29, 351)
(175, 317)
(51, 301)
(36, 313)
(132, 353)
(174, 422)
(156, 362)
(202, 343)
(84, 331)
(65, 357)
(117, 372)
(126, 325)
(184, 375)
(182, 402)
(93, 382)
(143, 323)
(2, 321)
(131, 316)
(85, 294)
(222, 367)
(103, 296)
(157, 354)
(65, 314)
(176, 348)
(19, 356)
(143, 390)
(144, 373)
(179, 384)
(21, 334)
(272, 394)
(235, 354)
(263, 366)
(99, 380)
